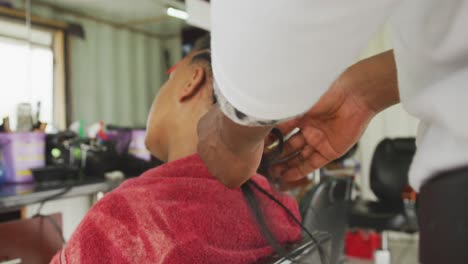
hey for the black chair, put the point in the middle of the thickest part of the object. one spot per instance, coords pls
(306, 251)
(325, 208)
(388, 180)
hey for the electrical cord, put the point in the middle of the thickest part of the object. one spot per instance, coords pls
(323, 256)
(49, 218)
(274, 157)
(52, 197)
(252, 202)
(54, 224)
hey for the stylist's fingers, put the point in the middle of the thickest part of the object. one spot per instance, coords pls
(288, 126)
(283, 172)
(297, 160)
(294, 144)
(297, 173)
(278, 169)
(301, 157)
(317, 138)
(312, 163)
(307, 151)
(290, 185)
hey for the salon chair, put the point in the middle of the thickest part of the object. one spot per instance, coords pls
(388, 181)
(306, 251)
(325, 208)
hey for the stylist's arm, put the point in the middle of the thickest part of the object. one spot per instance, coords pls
(337, 121)
(231, 151)
(327, 130)
(271, 62)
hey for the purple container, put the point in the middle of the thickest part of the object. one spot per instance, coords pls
(131, 140)
(137, 145)
(20, 153)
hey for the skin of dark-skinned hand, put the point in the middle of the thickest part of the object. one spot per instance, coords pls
(337, 121)
(331, 127)
(327, 131)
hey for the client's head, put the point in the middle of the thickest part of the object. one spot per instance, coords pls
(172, 122)
(181, 101)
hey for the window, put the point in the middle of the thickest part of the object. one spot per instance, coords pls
(26, 70)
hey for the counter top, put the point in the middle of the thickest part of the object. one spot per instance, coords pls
(15, 196)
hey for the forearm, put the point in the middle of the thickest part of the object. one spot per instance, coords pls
(231, 151)
(374, 81)
(240, 138)
(277, 66)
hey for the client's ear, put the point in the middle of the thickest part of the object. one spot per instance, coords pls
(194, 85)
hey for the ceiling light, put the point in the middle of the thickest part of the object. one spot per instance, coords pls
(177, 13)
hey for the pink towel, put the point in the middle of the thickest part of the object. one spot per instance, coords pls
(178, 213)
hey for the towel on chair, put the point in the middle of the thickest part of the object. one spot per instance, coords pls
(178, 213)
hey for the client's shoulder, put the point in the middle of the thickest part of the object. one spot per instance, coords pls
(169, 174)
(115, 228)
(188, 167)
(165, 182)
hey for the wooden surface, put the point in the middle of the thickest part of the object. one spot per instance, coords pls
(34, 241)
(18, 14)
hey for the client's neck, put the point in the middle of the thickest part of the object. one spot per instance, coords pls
(182, 142)
(182, 138)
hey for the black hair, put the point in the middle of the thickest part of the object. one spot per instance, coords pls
(203, 43)
(255, 209)
(204, 59)
(202, 56)
(202, 48)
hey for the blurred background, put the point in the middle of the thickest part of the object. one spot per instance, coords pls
(80, 72)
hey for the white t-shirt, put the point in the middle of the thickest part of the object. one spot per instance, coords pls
(273, 59)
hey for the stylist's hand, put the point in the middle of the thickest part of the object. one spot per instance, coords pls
(337, 121)
(231, 152)
(330, 128)
(327, 131)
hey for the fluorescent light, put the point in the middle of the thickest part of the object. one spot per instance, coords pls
(177, 13)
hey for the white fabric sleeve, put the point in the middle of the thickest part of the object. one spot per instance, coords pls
(273, 59)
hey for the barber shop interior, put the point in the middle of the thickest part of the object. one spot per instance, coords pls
(198, 131)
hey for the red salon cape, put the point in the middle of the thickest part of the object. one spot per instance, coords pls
(178, 213)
